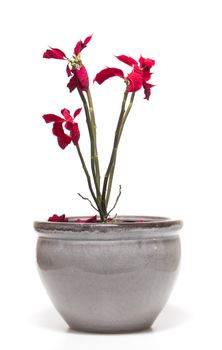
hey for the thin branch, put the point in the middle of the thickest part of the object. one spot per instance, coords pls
(117, 199)
(87, 175)
(87, 199)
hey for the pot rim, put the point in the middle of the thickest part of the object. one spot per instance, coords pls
(126, 227)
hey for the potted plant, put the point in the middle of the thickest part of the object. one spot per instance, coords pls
(104, 273)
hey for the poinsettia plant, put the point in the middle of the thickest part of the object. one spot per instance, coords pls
(65, 126)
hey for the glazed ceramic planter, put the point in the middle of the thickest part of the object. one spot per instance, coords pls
(113, 277)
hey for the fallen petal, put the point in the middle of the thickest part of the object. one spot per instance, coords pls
(58, 218)
(92, 219)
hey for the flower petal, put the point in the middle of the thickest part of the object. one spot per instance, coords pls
(75, 134)
(63, 139)
(81, 45)
(147, 89)
(127, 59)
(82, 78)
(66, 114)
(146, 75)
(54, 53)
(135, 82)
(87, 40)
(68, 71)
(77, 112)
(57, 129)
(108, 73)
(58, 218)
(72, 84)
(78, 48)
(74, 131)
(146, 63)
(49, 118)
(92, 219)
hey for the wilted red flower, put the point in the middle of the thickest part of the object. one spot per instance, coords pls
(57, 218)
(136, 79)
(58, 130)
(74, 69)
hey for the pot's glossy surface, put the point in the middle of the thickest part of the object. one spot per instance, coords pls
(113, 277)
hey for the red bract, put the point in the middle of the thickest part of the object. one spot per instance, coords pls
(58, 129)
(81, 45)
(147, 89)
(79, 79)
(57, 218)
(135, 81)
(127, 59)
(108, 73)
(54, 53)
(146, 63)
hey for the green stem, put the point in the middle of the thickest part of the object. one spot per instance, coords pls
(120, 130)
(87, 175)
(91, 111)
(104, 202)
(93, 153)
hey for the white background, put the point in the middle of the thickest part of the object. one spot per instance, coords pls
(169, 162)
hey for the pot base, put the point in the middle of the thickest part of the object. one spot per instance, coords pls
(146, 328)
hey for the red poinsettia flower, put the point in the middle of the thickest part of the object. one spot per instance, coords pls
(136, 79)
(58, 218)
(74, 69)
(58, 129)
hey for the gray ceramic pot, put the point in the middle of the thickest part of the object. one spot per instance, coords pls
(112, 277)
